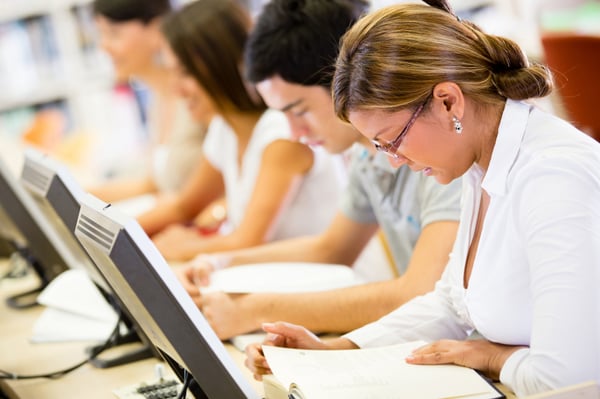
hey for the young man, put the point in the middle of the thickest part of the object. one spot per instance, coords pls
(290, 56)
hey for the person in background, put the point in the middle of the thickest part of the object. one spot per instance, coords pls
(290, 55)
(130, 33)
(275, 187)
(441, 96)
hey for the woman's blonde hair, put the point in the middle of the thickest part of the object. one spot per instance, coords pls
(392, 59)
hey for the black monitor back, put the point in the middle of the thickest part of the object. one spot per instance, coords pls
(153, 295)
(44, 252)
(58, 195)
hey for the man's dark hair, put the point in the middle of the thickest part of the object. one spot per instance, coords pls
(131, 10)
(299, 39)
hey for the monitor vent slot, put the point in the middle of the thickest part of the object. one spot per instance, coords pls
(35, 178)
(95, 232)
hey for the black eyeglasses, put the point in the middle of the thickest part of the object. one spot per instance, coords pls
(390, 148)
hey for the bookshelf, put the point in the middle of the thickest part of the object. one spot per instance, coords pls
(58, 90)
(49, 57)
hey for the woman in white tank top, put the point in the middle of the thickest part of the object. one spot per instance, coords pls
(275, 187)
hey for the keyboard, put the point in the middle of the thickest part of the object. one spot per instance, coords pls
(161, 389)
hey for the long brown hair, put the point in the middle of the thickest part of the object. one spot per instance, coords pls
(391, 59)
(208, 38)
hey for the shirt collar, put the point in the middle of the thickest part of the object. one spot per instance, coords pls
(510, 135)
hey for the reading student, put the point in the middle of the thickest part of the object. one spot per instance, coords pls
(290, 55)
(275, 187)
(437, 94)
(131, 35)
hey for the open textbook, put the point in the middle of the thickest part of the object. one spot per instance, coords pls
(283, 277)
(372, 373)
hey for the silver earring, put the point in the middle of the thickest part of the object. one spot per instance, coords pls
(457, 125)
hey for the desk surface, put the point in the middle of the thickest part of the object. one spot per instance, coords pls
(23, 357)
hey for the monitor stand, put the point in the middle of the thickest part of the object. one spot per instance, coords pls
(28, 298)
(25, 299)
(122, 349)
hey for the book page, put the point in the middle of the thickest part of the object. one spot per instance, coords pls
(55, 325)
(240, 342)
(283, 277)
(74, 292)
(75, 311)
(137, 205)
(373, 373)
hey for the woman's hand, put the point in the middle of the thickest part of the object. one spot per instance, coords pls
(289, 336)
(186, 276)
(196, 273)
(256, 362)
(177, 242)
(482, 355)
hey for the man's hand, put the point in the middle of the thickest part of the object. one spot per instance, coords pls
(227, 314)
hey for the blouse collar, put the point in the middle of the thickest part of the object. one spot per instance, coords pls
(506, 149)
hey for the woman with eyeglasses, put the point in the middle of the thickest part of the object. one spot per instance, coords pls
(441, 96)
(275, 187)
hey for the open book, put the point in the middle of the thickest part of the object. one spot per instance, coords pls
(283, 277)
(372, 373)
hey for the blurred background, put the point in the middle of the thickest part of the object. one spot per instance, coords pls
(58, 90)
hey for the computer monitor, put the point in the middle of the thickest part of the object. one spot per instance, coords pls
(151, 292)
(25, 228)
(57, 195)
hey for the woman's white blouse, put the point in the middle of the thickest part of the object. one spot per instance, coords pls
(535, 281)
(313, 200)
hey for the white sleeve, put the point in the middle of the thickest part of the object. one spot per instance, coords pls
(559, 212)
(436, 315)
